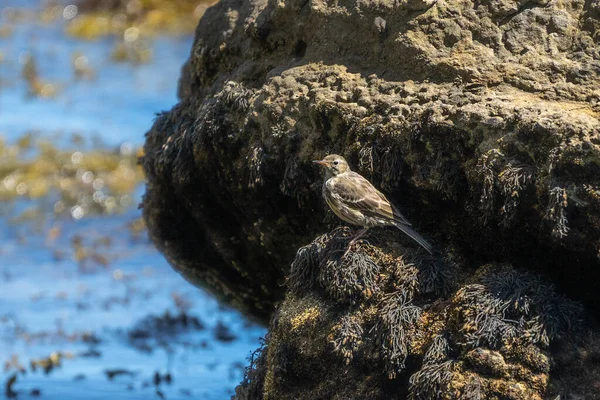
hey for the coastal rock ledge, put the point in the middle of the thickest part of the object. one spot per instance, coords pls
(479, 119)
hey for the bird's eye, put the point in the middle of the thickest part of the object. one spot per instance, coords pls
(336, 162)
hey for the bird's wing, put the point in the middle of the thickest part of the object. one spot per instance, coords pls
(359, 194)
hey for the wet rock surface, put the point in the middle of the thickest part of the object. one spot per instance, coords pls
(478, 119)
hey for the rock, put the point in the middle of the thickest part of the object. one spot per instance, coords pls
(480, 120)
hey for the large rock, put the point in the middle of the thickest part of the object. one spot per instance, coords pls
(480, 120)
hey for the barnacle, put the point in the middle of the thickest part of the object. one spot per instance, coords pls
(397, 324)
(347, 337)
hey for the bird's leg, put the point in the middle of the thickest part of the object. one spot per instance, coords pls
(358, 235)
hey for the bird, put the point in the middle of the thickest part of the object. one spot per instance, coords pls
(356, 201)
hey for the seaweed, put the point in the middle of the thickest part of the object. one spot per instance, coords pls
(435, 275)
(473, 390)
(513, 180)
(511, 305)
(396, 325)
(556, 212)
(252, 384)
(406, 277)
(350, 278)
(438, 350)
(236, 96)
(485, 167)
(391, 168)
(367, 159)
(451, 182)
(255, 167)
(302, 272)
(294, 182)
(347, 337)
(431, 381)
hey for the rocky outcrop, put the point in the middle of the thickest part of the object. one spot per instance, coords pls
(480, 120)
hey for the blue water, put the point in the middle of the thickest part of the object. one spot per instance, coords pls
(117, 105)
(52, 303)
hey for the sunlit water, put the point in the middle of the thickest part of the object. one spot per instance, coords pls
(93, 302)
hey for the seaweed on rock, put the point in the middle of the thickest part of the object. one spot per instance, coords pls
(435, 275)
(438, 350)
(350, 278)
(513, 180)
(511, 305)
(252, 384)
(431, 381)
(347, 337)
(236, 96)
(396, 326)
(485, 166)
(391, 168)
(303, 269)
(556, 212)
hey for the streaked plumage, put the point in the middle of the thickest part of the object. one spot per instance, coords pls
(355, 200)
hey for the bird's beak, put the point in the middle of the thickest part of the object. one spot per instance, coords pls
(321, 162)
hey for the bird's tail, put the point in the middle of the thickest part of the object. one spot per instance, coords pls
(415, 236)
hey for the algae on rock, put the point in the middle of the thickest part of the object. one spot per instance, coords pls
(480, 120)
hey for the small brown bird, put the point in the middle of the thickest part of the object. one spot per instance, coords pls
(355, 200)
